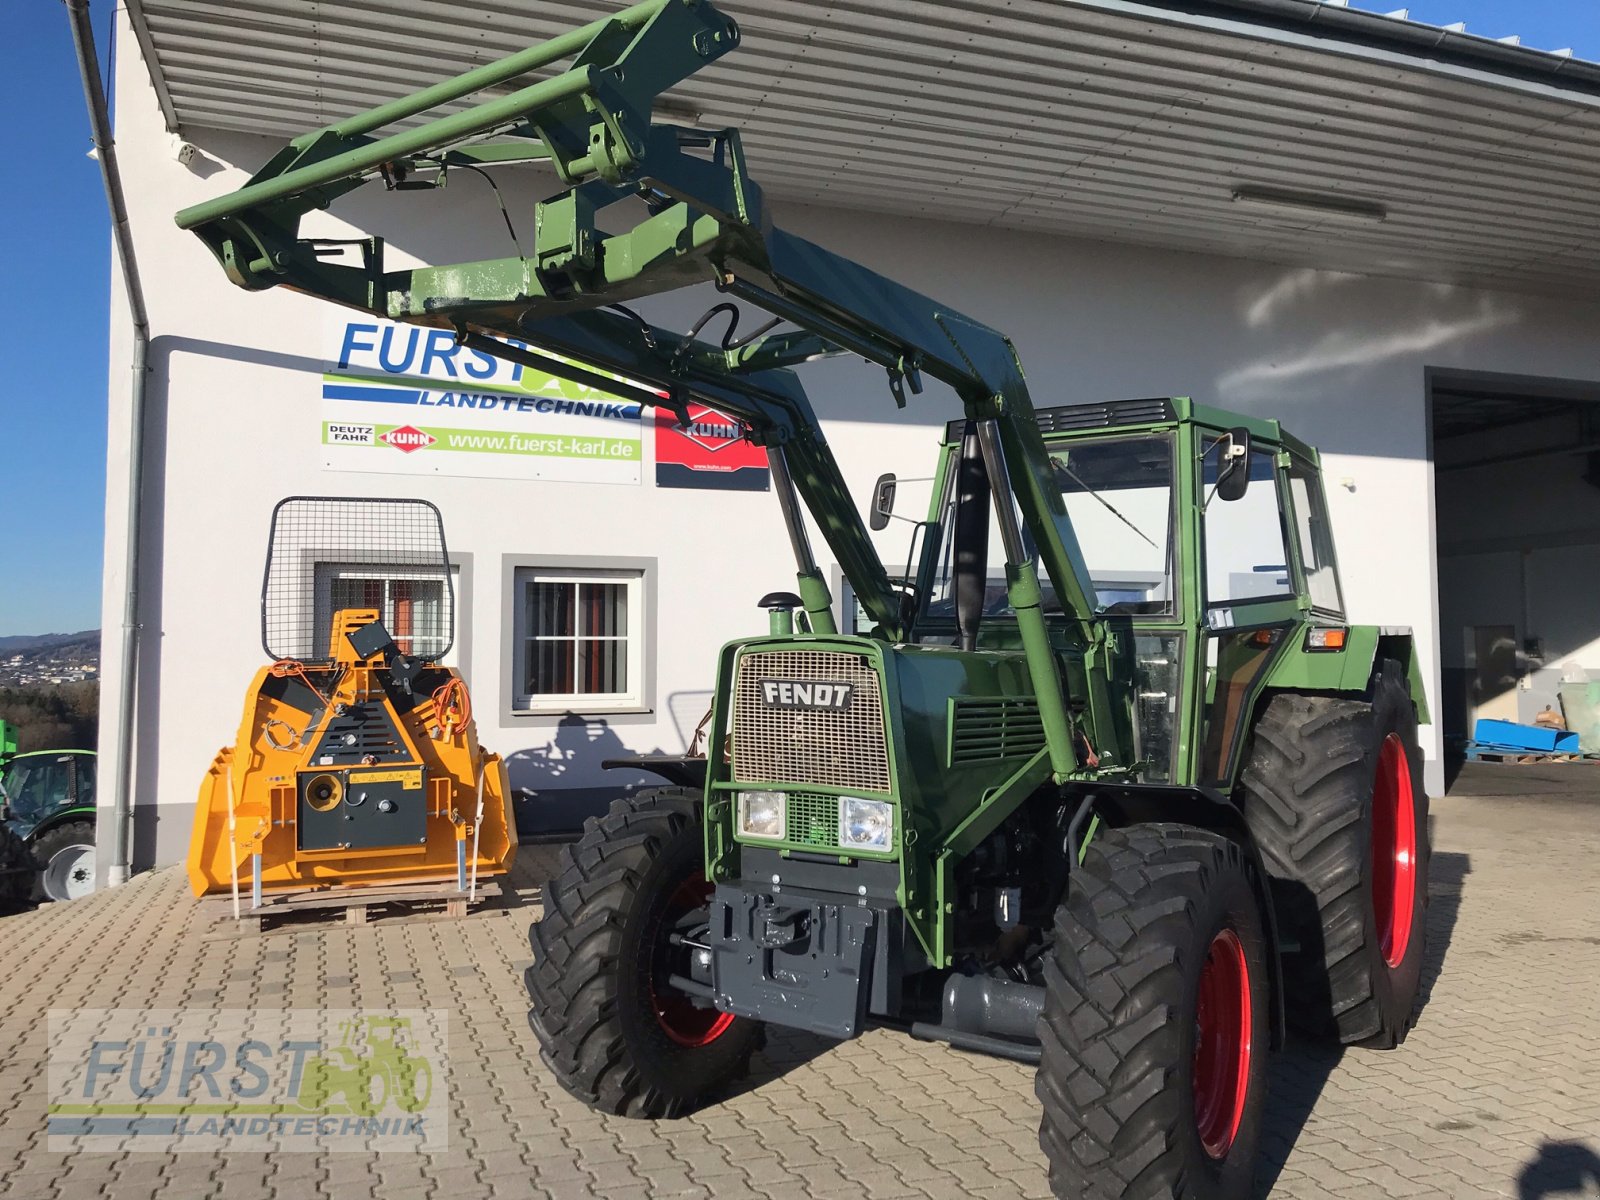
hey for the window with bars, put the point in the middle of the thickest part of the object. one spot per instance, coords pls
(411, 607)
(578, 639)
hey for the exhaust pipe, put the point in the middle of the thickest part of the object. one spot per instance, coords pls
(980, 1004)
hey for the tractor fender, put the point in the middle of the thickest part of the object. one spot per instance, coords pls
(679, 769)
(57, 819)
(1119, 805)
(1349, 670)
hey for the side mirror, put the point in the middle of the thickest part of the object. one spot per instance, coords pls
(1233, 464)
(882, 502)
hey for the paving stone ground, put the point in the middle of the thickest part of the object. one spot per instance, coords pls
(1496, 1093)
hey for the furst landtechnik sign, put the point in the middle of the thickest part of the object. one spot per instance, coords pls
(406, 400)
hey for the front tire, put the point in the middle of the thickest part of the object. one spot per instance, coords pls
(614, 1033)
(1333, 792)
(1155, 1030)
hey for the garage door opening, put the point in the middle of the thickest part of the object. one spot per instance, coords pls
(1517, 502)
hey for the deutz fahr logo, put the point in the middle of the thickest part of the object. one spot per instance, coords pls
(408, 438)
(804, 693)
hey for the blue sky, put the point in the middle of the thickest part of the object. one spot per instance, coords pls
(55, 243)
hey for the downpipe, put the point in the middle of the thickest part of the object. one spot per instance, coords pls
(128, 651)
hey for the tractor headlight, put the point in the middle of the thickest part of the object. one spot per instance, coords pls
(763, 815)
(865, 824)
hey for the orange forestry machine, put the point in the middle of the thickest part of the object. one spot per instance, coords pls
(357, 761)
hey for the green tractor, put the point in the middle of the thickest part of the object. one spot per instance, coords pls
(47, 822)
(1105, 781)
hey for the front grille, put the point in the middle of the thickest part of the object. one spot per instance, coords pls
(843, 748)
(813, 820)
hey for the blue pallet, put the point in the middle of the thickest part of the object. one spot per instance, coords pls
(1529, 739)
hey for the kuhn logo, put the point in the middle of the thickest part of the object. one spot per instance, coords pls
(711, 429)
(804, 693)
(408, 438)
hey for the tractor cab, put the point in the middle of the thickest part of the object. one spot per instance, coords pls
(39, 789)
(1207, 540)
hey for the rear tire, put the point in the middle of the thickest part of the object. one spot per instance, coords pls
(1155, 1029)
(1333, 792)
(64, 858)
(613, 1033)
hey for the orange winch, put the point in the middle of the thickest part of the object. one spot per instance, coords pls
(357, 760)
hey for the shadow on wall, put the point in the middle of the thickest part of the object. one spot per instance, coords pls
(1561, 1169)
(554, 783)
(561, 784)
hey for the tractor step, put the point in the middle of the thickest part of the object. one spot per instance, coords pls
(357, 905)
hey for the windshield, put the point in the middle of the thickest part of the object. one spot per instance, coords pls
(34, 786)
(1118, 493)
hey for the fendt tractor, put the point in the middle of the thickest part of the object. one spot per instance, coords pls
(1108, 785)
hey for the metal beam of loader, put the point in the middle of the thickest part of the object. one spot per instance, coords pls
(707, 222)
(1068, 817)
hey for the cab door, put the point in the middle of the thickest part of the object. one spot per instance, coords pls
(1250, 597)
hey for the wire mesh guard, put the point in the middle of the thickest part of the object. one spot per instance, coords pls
(328, 553)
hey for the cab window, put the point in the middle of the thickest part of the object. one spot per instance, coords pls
(1315, 536)
(38, 786)
(1118, 494)
(1246, 557)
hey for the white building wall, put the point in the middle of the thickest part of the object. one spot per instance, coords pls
(234, 397)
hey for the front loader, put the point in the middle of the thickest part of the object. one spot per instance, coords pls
(1104, 783)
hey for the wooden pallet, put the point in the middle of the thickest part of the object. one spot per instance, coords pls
(357, 904)
(1511, 755)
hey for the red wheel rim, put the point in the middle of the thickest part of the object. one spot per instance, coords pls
(686, 1023)
(1222, 1044)
(1394, 850)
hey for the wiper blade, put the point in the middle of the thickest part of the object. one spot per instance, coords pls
(1073, 475)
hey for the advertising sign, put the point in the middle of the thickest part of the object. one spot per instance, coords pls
(709, 453)
(406, 400)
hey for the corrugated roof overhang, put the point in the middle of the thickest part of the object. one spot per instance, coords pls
(1106, 119)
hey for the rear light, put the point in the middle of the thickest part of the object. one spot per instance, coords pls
(1326, 639)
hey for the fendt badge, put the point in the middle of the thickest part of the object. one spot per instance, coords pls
(804, 693)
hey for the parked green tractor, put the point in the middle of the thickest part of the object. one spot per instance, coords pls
(1106, 782)
(47, 815)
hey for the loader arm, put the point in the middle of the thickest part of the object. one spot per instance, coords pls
(582, 103)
